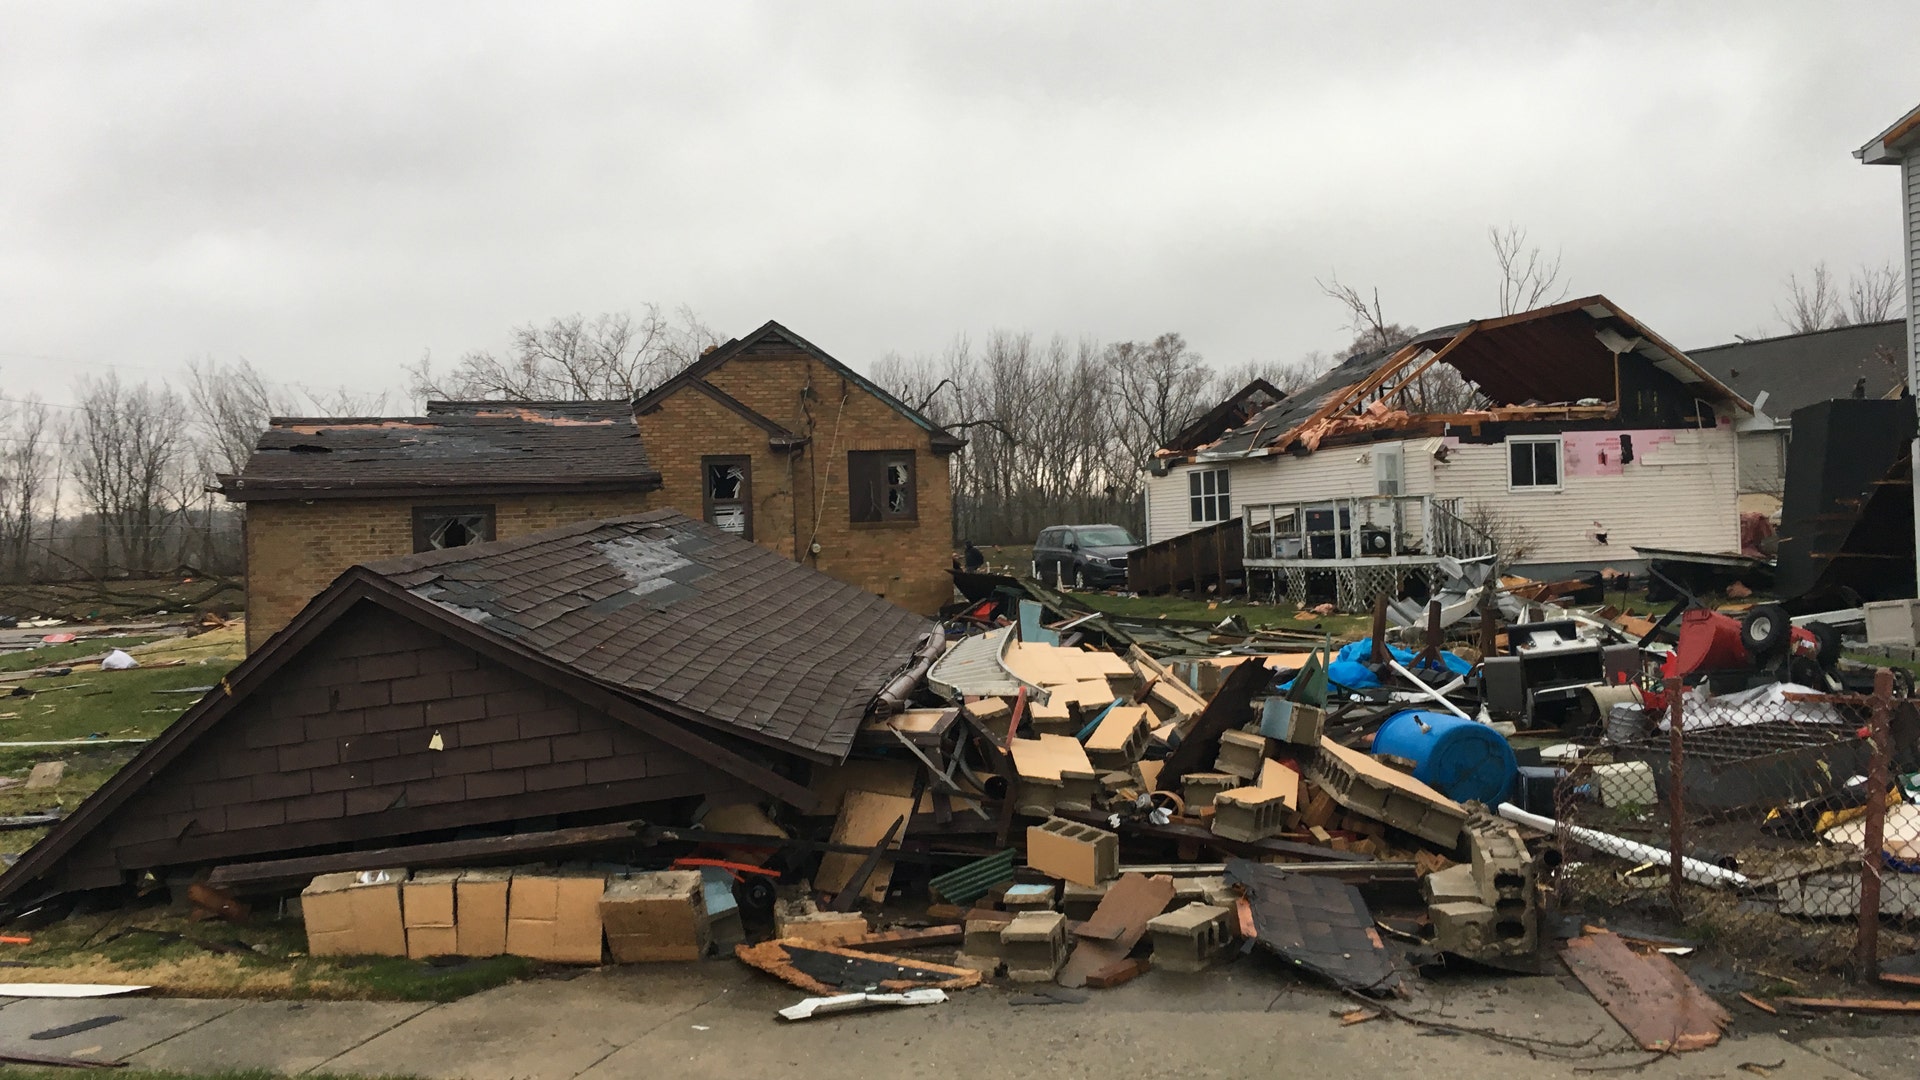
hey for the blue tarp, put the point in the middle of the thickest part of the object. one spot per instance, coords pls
(1349, 669)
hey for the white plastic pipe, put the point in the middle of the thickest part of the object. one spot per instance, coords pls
(1430, 691)
(1700, 873)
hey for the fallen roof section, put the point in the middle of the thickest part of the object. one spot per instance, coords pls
(478, 448)
(1555, 362)
(1797, 370)
(687, 618)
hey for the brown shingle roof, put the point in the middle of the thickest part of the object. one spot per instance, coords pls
(684, 616)
(495, 448)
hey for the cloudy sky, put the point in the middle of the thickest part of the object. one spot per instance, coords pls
(334, 189)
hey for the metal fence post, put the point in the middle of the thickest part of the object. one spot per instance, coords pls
(1676, 806)
(1873, 858)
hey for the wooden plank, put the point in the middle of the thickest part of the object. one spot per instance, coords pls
(1883, 1005)
(1758, 1004)
(930, 937)
(1900, 980)
(443, 853)
(772, 957)
(1129, 903)
(1650, 997)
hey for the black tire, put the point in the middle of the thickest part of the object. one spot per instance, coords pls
(1828, 635)
(1766, 630)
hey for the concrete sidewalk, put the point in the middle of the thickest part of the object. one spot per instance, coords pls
(717, 1019)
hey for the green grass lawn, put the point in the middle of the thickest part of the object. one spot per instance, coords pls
(162, 948)
(53, 655)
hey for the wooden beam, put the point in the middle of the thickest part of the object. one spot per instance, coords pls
(443, 853)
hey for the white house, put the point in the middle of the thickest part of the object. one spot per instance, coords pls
(1900, 145)
(1585, 436)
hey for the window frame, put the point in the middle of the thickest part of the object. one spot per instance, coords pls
(744, 499)
(425, 515)
(869, 467)
(1382, 454)
(1559, 463)
(1201, 501)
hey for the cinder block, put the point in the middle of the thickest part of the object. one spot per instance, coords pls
(1250, 813)
(1073, 852)
(1034, 945)
(982, 939)
(1078, 901)
(1199, 789)
(802, 919)
(1241, 754)
(1504, 871)
(1292, 722)
(656, 917)
(1465, 928)
(1455, 883)
(1197, 890)
(1120, 738)
(1191, 938)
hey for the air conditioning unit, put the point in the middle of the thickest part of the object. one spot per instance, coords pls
(1376, 543)
(1893, 622)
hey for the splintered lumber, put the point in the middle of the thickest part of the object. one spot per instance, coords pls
(930, 937)
(828, 970)
(1883, 1005)
(1648, 995)
(1117, 926)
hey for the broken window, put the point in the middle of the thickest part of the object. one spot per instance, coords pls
(1533, 464)
(437, 527)
(1389, 470)
(1207, 495)
(728, 493)
(881, 486)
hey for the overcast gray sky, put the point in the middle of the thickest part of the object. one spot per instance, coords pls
(333, 189)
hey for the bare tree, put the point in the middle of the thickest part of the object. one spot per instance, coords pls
(1818, 301)
(573, 358)
(1286, 376)
(129, 446)
(1873, 294)
(25, 465)
(232, 403)
(1369, 324)
(1528, 278)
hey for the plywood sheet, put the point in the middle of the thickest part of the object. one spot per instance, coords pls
(864, 818)
(1648, 995)
(1046, 757)
(1117, 925)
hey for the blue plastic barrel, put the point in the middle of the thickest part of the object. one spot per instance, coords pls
(1458, 758)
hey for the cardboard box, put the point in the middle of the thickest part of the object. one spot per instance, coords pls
(355, 914)
(427, 909)
(555, 917)
(480, 912)
(656, 917)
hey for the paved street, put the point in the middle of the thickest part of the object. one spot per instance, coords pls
(717, 1020)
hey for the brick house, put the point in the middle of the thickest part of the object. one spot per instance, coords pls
(598, 672)
(766, 436)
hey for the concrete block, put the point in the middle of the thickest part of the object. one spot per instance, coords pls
(1465, 928)
(1195, 890)
(1198, 789)
(802, 919)
(1034, 945)
(1292, 722)
(1453, 883)
(1073, 852)
(1191, 938)
(1078, 901)
(656, 917)
(982, 939)
(1120, 738)
(1241, 754)
(988, 966)
(1250, 813)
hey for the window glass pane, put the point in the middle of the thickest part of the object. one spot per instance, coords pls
(724, 480)
(1546, 464)
(1223, 481)
(1193, 485)
(1520, 461)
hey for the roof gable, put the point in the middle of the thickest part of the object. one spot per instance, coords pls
(772, 333)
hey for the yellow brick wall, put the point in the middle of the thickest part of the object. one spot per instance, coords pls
(295, 549)
(689, 426)
(906, 562)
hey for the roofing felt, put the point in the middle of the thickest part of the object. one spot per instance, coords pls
(1798, 370)
(686, 617)
(501, 447)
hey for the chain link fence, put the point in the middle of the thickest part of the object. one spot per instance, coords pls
(1793, 816)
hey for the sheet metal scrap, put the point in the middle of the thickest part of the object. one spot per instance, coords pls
(1650, 997)
(829, 971)
(1317, 924)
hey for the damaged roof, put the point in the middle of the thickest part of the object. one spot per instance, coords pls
(684, 617)
(1563, 355)
(460, 448)
(1797, 370)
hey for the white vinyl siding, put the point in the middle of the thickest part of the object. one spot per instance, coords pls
(1910, 181)
(1679, 492)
